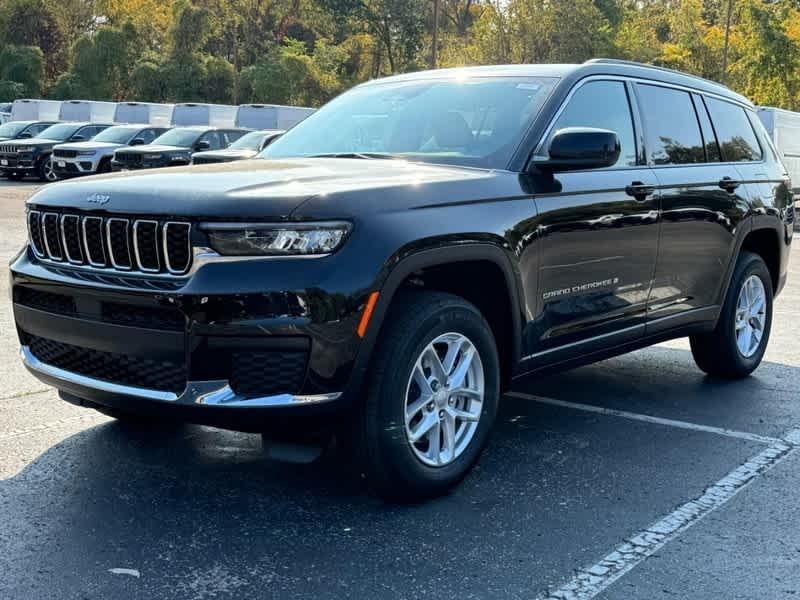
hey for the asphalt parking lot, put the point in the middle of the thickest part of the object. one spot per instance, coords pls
(635, 478)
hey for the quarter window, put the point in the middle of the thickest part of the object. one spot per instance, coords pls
(603, 105)
(673, 133)
(736, 137)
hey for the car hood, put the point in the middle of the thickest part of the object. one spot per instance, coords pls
(36, 142)
(152, 149)
(88, 146)
(276, 189)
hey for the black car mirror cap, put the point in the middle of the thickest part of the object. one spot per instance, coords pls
(137, 142)
(581, 148)
(202, 146)
(77, 138)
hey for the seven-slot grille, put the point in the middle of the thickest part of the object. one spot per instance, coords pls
(128, 157)
(8, 149)
(116, 243)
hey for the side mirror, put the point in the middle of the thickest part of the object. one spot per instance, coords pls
(137, 142)
(581, 148)
(201, 146)
(77, 138)
(26, 135)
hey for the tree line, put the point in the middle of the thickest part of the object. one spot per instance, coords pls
(307, 51)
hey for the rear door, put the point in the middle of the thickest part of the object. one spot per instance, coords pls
(702, 201)
(598, 232)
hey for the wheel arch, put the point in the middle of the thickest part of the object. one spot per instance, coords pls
(410, 267)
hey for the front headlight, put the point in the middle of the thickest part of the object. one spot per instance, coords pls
(302, 239)
(24, 148)
(86, 153)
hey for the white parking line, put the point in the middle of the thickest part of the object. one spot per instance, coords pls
(624, 414)
(594, 579)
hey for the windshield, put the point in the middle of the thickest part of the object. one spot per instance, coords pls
(181, 137)
(12, 129)
(251, 141)
(60, 132)
(474, 122)
(116, 135)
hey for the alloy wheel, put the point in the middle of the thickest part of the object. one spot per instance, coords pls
(444, 399)
(750, 317)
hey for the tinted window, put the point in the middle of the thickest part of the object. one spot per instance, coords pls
(710, 139)
(673, 134)
(228, 137)
(212, 137)
(604, 105)
(147, 135)
(737, 139)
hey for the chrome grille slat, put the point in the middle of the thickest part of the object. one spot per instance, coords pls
(52, 240)
(121, 256)
(111, 244)
(146, 229)
(69, 228)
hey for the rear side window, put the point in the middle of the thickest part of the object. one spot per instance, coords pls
(737, 140)
(710, 139)
(673, 133)
(604, 105)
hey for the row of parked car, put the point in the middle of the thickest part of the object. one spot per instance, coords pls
(50, 150)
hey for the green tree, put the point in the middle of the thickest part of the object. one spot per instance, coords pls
(33, 23)
(21, 70)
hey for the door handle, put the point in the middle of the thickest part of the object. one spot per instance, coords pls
(639, 190)
(728, 184)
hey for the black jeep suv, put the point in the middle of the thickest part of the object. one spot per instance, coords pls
(34, 156)
(174, 148)
(409, 250)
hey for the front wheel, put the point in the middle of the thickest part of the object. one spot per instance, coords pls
(46, 170)
(736, 346)
(431, 398)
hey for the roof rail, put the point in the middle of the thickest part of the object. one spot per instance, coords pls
(633, 63)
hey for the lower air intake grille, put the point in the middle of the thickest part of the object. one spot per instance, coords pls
(267, 373)
(107, 366)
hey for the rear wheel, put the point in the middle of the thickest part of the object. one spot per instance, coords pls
(736, 346)
(431, 398)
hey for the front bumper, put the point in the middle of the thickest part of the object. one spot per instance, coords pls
(70, 167)
(206, 355)
(17, 163)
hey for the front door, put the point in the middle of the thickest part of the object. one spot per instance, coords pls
(598, 235)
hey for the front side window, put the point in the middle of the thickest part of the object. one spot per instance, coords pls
(736, 137)
(212, 137)
(472, 121)
(601, 105)
(60, 133)
(673, 132)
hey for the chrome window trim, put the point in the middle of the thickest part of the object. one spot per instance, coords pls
(136, 246)
(86, 243)
(39, 252)
(114, 263)
(166, 249)
(634, 106)
(50, 255)
(64, 238)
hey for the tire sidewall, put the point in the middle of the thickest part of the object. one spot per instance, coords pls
(394, 446)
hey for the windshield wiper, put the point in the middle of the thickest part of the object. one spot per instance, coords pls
(364, 155)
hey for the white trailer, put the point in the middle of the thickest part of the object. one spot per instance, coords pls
(270, 116)
(35, 110)
(783, 127)
(144, 112)
(87, 110)
(213, 115)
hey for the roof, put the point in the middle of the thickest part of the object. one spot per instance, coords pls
(597, 66)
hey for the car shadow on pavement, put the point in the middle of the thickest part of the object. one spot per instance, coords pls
(556, 489)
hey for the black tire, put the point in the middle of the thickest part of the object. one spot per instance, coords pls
(413, 322)
(42, 169)
(717, 352)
